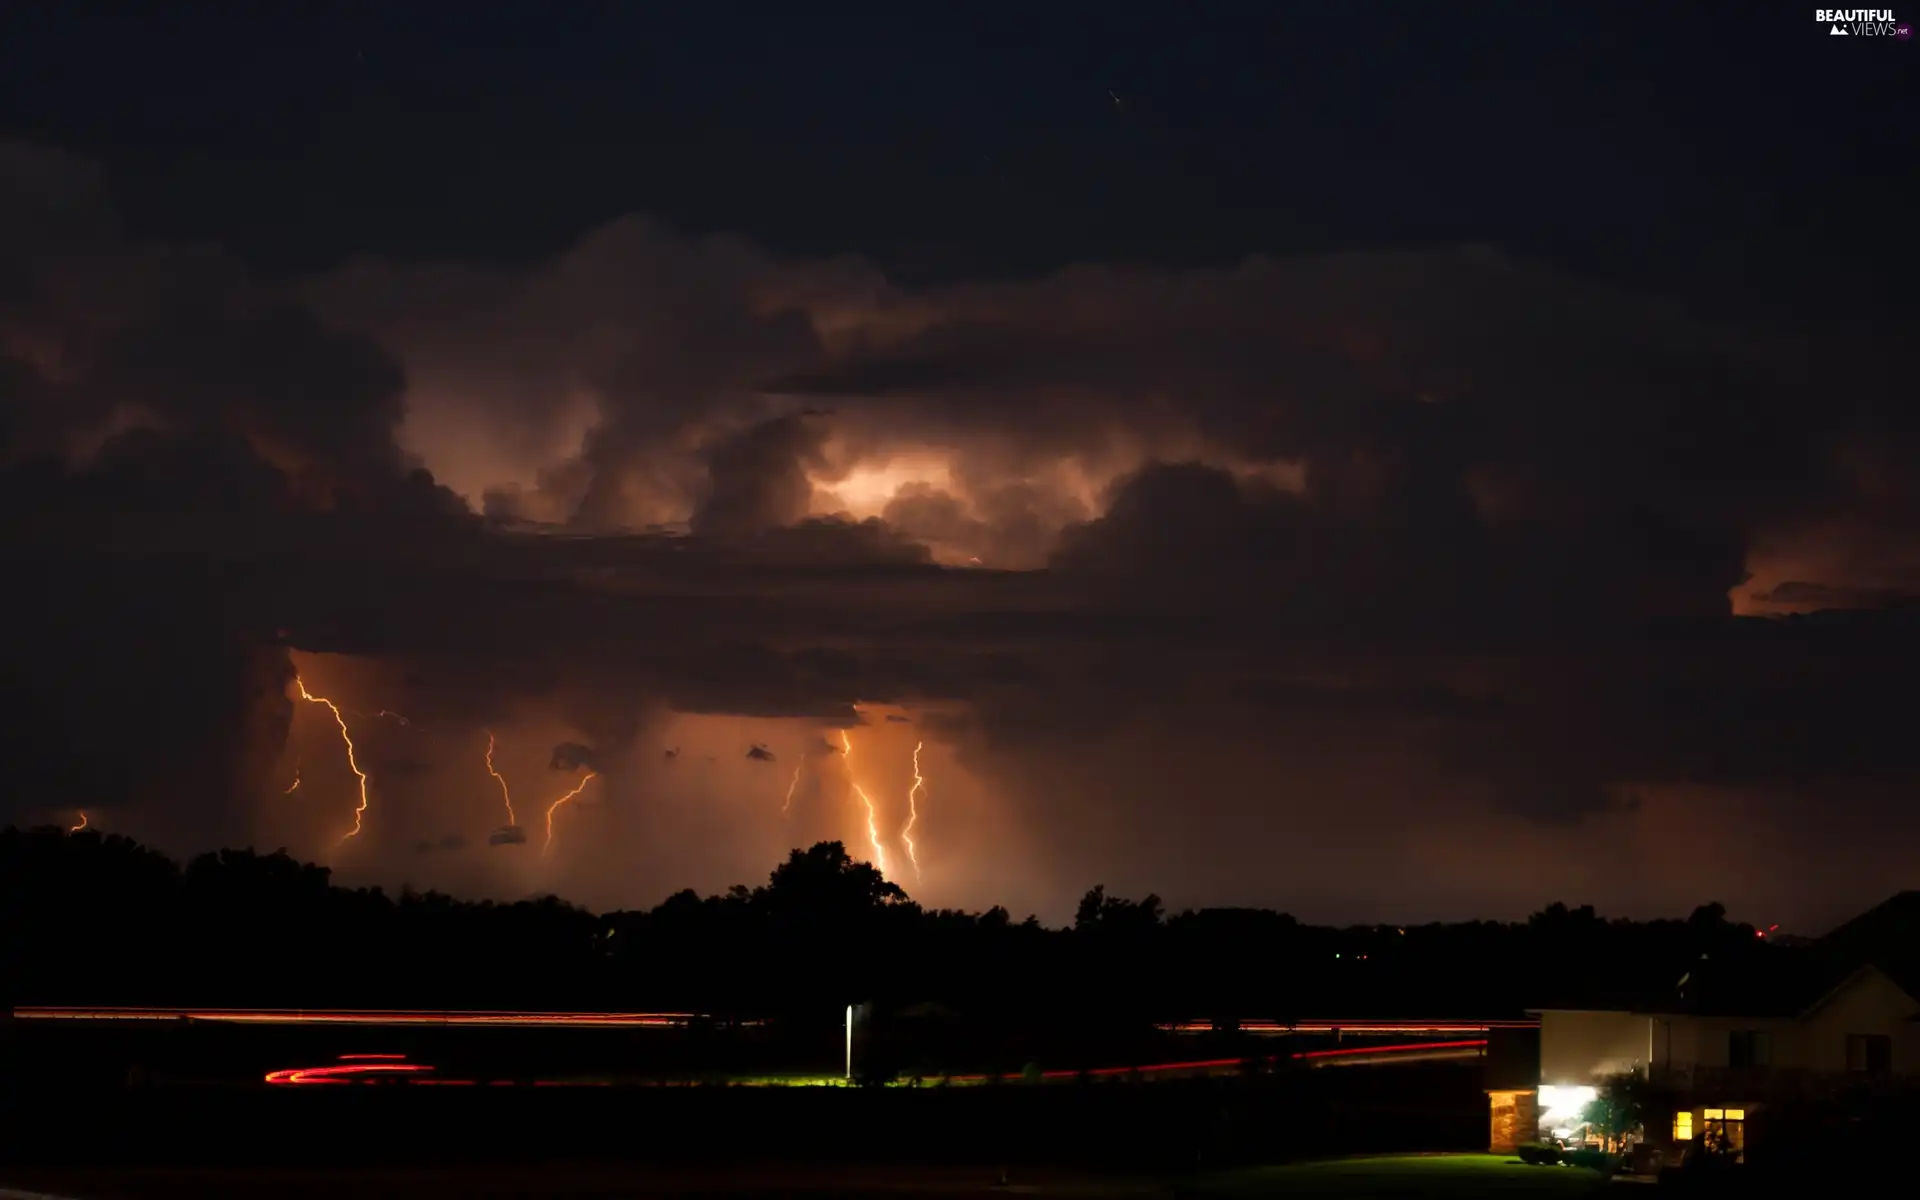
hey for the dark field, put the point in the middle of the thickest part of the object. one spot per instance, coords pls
(1437, 1176)
(184, 1111)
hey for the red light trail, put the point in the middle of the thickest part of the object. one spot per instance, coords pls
(347, 1071)
(504, 794)
(352, 759)
(1328, 1025)
(368, 1017)
(1216, 1064)
(586, 779)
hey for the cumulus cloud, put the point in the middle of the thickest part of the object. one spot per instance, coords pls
(1154, 561)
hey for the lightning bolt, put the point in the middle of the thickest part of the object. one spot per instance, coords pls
(787, 804)
(83, 821)
(504, 794)
(589, 777)
(913, 811)
(352, 760)
(296, 781)
(873, 819)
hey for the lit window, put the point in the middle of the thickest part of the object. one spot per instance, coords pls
(1683, 1127)
(1736, 1114)
(1713, 1114)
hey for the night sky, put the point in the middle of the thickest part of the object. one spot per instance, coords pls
(1384, 461)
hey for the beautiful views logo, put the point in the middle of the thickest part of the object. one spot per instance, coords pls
(1863, 22)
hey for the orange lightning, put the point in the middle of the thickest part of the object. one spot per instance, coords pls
(589, 777)
(296, 781)
(787, 804)
(913, 810)
(504, 794)
(873, 819)
(83, 821)
(352, 760)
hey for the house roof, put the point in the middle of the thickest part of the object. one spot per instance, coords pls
(1786, 984)
(1777, 981)
(1780, 983)
(1890, 928)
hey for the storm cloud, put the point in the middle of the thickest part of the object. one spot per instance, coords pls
(1176, 573)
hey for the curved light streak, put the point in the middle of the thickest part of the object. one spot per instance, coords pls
(352, 759)
(502, 780)
(873, 817)
(589, 777)
(913, 811)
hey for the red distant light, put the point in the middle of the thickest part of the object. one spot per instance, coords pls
(1759, 933)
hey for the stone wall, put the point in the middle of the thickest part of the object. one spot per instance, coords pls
(1515, 1120)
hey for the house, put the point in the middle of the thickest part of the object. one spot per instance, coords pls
(1727, 1041)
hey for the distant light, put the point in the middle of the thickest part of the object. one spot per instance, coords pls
(1759, 933)
(1771, 928)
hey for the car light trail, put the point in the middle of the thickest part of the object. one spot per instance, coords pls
(1403, 1048)
(1361, 1026)
(374, 1017)
(352, 1068)
(1216, 1064)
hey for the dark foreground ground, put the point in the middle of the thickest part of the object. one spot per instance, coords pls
(1395, 1176)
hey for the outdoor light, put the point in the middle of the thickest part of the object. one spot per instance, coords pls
(1561, 1104)
(849, 1043)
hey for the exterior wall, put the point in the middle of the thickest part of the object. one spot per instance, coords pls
(1692, 1053)
(1514, 1120)
(1872, 1003)
(1580, 1047)
(1707, 1041)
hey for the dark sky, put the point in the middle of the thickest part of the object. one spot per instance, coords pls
(1374, 459)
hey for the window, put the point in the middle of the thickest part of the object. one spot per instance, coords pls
(1724, 1131)
(1683, 1127)
(1749, 1048)
(1870, 1053)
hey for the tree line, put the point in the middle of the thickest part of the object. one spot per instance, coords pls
(99, 919)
